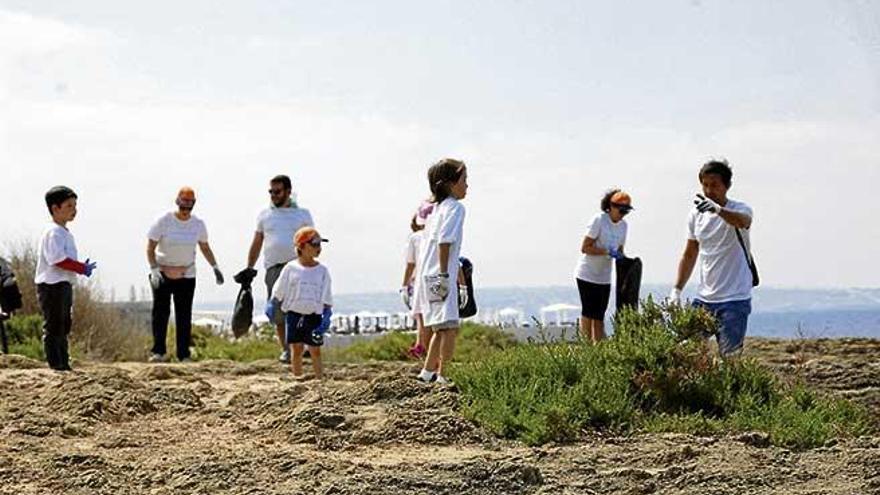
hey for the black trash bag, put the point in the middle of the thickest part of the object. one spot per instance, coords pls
(469, 309)
(629, 282)
(243, 312)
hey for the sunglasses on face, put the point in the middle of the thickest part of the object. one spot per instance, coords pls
(623, 209)
(315, 243)
(276, 192)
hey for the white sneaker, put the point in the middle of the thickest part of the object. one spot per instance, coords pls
(284, 357)
(442, 380)
(427, 376)
(186, 360)
(157, 358)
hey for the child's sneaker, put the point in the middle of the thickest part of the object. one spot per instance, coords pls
(427, 376)
(442, 380)
(284, 357)
(417, 351)
(157, 358)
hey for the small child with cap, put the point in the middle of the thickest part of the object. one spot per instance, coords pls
(417, 225)
(303, 293)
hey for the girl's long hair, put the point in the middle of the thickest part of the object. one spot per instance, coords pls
(442, 175)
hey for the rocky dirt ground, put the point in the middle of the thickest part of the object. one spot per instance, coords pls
(223, 427)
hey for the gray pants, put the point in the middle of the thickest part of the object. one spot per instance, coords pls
(272, 274)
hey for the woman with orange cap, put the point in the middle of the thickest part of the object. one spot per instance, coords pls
(603, 243)
(171, 252)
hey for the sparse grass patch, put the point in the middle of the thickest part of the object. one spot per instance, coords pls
(656, 374)
(207, 345)
(474, 342)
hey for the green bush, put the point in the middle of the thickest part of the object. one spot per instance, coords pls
(656, 374)
(207, 345)
(25, 336)
(474, 342)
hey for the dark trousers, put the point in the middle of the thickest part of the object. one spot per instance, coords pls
(56, 303)
(182, 290)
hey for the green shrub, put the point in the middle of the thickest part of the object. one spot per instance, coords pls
(25, 336)
(207, 345)
(655, 374)
(474, 342)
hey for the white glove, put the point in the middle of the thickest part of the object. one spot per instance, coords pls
(440, 286)
(406, 296)
(462, 296)
(218, 275)
(674, 296)
(156, 278)
(705, 204)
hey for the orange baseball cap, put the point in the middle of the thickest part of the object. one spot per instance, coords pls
(621, 198)
(306, 235)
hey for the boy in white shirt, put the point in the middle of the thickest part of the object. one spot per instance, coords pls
(56, 273)
(303, 294)
(417, 225)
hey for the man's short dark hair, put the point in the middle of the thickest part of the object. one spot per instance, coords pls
(283, 180)
(58, 195)
(719, 168)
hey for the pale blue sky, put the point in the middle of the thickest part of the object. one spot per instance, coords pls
(549, 102)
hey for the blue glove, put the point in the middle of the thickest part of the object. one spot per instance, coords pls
(90, 267)
(615, 254)
(270, 310)
(325, 320)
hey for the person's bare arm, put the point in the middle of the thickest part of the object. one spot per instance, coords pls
(737, 219)
(408, 273)
(208, 253)
(589, 247)
(254, 251)
(444, 257)
(151, 253)
(687, 263)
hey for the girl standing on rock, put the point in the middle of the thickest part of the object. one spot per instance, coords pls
(438, 261)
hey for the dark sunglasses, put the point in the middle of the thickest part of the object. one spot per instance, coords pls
(624, 209)
(276, 192)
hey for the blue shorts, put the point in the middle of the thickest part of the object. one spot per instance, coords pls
(733, 318)
(300, 329)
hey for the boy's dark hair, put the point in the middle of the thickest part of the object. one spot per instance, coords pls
(442, 175)
(283, 180)
(605, 204)
(717, 167)
(58, 195)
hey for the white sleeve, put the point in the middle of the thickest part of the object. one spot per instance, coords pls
(203, 232)
(308, 219)
(327, 297)
(157, 230)
(53, 248)
(452, 225)
(625, 233)
(692, 225)
(279, 292)
(410, 253)
(595, 227)
(260, 226)
(745, 209)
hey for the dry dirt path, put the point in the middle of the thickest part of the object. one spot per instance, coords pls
(223, 427)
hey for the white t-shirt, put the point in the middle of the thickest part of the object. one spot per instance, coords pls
(303, 289)
(593, 268)
(412, 246)
(444, 226)
(278, 226)
(56, 245)
(724, 270)
(177, 241)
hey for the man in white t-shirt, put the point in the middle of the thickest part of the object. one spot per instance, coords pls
(276, 226)
(171, 253)
(726, 278)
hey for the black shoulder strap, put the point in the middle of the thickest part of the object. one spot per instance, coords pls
(744, 248)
